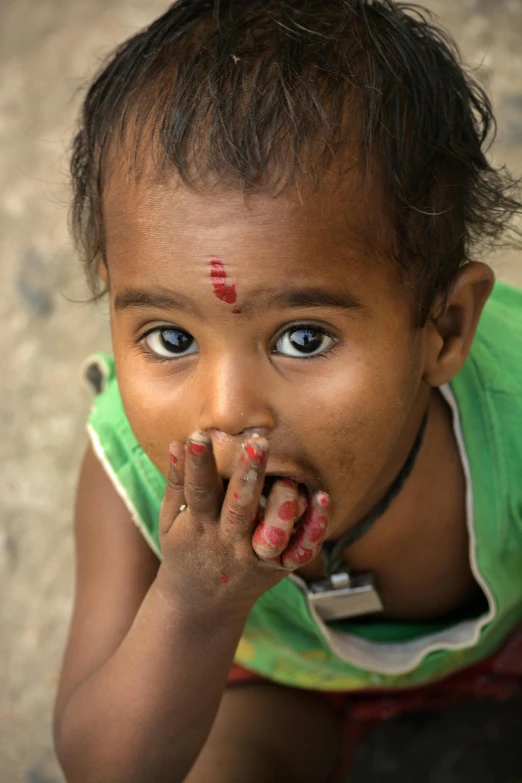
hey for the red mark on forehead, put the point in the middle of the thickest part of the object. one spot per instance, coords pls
(218, 278)
(224, 579)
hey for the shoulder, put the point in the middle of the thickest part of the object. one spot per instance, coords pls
(497, 348)
(133, 476)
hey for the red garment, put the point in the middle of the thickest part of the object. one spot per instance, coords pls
(498, 677)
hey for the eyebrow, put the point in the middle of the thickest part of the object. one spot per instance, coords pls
(259, 300)
(159, 299)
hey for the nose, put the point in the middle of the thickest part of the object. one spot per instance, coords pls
(235, 402)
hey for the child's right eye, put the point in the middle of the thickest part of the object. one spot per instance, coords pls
(170, 342)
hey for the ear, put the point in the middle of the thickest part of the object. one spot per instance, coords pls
(450, 334)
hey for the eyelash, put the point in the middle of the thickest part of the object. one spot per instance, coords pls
(141, 345)
(323, 355)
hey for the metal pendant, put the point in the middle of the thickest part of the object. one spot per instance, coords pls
(343, 595)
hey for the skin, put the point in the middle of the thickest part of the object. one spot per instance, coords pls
(342, 424)
(214, 535)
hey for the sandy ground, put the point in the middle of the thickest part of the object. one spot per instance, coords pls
(48, 48)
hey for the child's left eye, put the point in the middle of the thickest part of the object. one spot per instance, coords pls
(303, 341)
(170, 342)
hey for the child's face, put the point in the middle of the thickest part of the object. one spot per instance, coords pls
(222, 279)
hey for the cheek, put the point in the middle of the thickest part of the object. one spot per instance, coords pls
(357, 417)
(156, 413)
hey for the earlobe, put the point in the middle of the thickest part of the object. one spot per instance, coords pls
(450, 333)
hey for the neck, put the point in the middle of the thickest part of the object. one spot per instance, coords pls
(385, 482)
(422, 539)
(418, 550)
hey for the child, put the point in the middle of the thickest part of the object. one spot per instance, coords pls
(305, 455)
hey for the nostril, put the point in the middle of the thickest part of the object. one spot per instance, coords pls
(252, 432)
(220, 437)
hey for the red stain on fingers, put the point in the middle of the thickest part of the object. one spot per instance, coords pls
(270, 535)
(306, 542)
(316, 527)
(324, 500)
(196, 448)
(287, 510)
(224, 579)
(253, 452)
(297, 555)
(269, 541)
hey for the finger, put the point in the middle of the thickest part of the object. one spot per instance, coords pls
(273, 532)
(174, 495)
(241, 504)
(306, 543)
(203, 486)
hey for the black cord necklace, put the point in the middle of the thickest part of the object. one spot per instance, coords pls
(342, 594)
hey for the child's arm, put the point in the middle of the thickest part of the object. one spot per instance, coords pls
(142, 678)
(150, 648)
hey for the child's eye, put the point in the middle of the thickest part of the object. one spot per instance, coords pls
(170, 342)
(302, 341)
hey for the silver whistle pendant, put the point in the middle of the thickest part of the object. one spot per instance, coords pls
(343, 595)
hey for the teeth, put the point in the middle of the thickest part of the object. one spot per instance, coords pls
(263, 500)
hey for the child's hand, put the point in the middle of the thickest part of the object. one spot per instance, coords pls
(220, 552)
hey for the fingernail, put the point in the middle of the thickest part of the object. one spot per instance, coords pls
(323, 500)
(173, 459)
(254, 451)
(197, 443)
(196, 448)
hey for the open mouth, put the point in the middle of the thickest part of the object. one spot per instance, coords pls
(302, 489)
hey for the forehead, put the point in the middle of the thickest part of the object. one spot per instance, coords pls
(162, 227)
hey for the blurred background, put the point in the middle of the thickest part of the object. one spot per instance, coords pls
(48, 50)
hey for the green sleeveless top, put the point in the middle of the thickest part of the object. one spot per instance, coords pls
(283, 638)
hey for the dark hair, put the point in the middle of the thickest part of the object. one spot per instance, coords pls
(260, 93)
